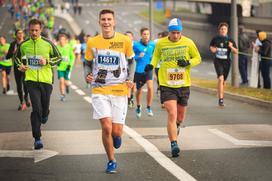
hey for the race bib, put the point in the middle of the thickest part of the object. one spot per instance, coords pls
(33, 62)
(175, 76)
(222, 53)
(108, 62)
(64, 58)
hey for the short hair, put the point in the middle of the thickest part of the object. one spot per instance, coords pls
(62, 35)
(164, 34)
(106, 11)
(222, 24)
(2, 36)
(35, 22)
(143, 29)
(129, 32)
(17, 30)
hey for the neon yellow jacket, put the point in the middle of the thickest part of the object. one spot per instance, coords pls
(170, 74)
(30, 51)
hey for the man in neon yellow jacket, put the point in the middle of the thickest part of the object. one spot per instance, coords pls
(36, 56)
(65, 67)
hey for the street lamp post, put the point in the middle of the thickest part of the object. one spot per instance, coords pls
(234, 35)
(151, 18)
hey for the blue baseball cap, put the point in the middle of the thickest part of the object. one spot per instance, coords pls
(175, 25)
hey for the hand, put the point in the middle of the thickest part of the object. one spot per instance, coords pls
(183, 63)
(89, 78)
(213, 49)
(142, 55)
(23, 68)
(130, 84)
(42, 61)
(230, 44)
(148, 67)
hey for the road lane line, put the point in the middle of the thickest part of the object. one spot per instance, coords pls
(163, 160)
(241, 142)
(74, 87)
(225, 136)
(88, 99)
(154, 152)
(80, 92)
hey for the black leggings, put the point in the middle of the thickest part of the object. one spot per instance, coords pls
(20, 84)
(40, 98)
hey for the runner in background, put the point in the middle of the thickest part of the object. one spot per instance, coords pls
(5, 64)
(143, 50)
(221, 46)
(19, 76)
(65, 67)
(131, 65)
(160, 35)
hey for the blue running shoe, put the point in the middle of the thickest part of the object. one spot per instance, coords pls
(38, 144)
(111, 167)
(117, 141)
(149, 112)
(62, 98)
(174, 149)
(138, 112)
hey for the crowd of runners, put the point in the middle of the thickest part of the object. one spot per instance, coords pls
(115, 67)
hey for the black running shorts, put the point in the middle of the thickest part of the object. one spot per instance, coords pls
(181, 95)
(222, 67)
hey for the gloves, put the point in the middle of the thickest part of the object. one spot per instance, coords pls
(148, 67)
(116, 73)
(183, 63)
(101, 76)
(68, 68)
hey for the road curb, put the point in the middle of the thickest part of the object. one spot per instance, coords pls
(236, 97)
(69, 19)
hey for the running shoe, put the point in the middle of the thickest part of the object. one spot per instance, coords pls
(149, 111)
(221, 102)
(62, 98)
(38, 144)
(131, 103)
(4, 91)
(117, 141)
(28, 103)
(111, 167)
(44, 119)
(175, 149)
(138, 112)
(20, 107)
(23, 106)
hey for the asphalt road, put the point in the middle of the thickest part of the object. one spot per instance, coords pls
(233, 143)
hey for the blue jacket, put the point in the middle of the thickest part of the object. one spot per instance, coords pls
(148, 49)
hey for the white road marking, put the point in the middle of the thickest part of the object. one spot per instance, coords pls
(164, 161)
(80, 92)
(88, 99)
(241, 142)
(74, 87)
(38, 155)
(155, 153)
